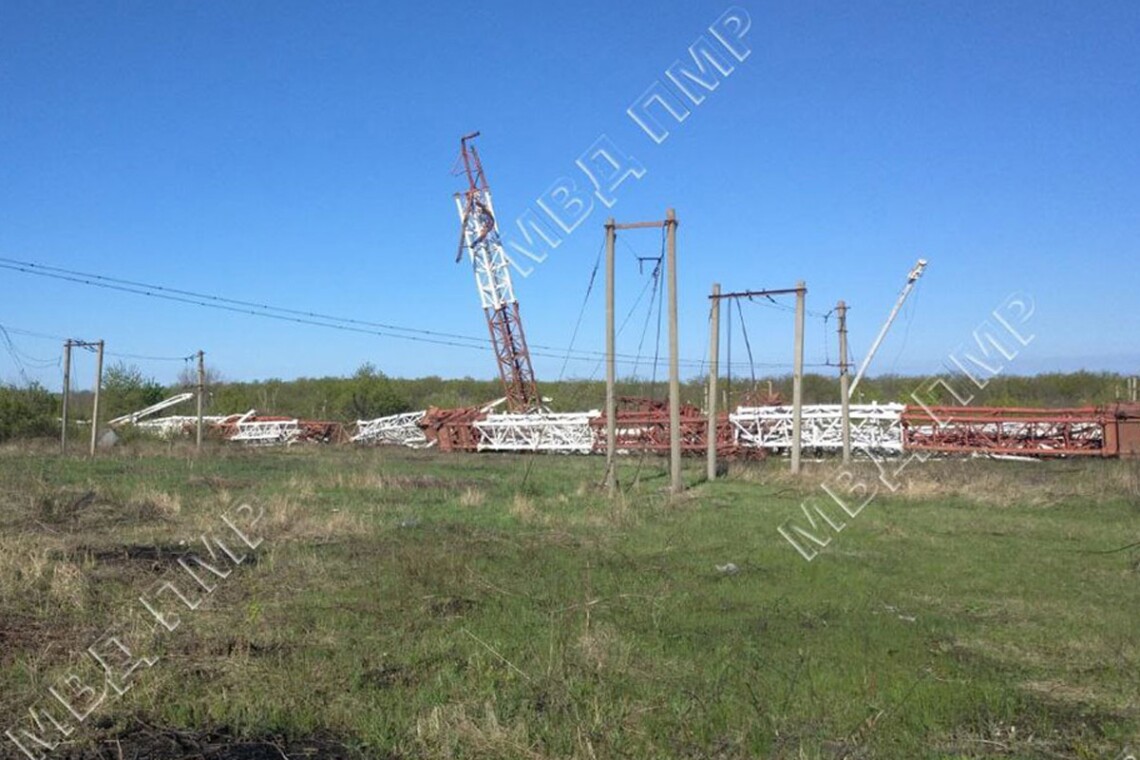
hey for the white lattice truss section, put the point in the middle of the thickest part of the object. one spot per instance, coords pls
(134, 417)
(267, 432)
(568, 433)
(485, 249)
(874, 427)
(393, 430)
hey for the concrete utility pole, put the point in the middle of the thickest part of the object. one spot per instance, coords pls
(201, 394)
(714, 356)
(911, 279)
(98, 389)
(674, 371)
(66, 395)
(670, 227)
(844, 393)
(611, 400)
(798, 379)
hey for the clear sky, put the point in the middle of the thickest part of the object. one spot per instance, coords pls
(300, 155)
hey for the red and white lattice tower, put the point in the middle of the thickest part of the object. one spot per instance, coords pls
(479, 236)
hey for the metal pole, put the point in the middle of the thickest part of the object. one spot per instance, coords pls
(674, 371)
(798, 379)
(66, 395)
(98, 389)
(844, 393)
(611, 401)
(714, 355)
(911, 279)
(201, 394)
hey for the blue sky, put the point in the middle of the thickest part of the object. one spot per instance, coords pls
(300, 154)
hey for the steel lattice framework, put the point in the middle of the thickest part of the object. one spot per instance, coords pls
(267, 432)
(395, 430)
(134, 417)
(749, 431)
(1034, 432)
(567, 433)
(479, 236)
(874, 427)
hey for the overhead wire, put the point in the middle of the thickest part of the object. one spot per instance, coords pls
(909, 308)
(826, 347)
(15, 356)
(582, 311)
(656, 275)
(747, 342)
(655, 297)
(297, 316)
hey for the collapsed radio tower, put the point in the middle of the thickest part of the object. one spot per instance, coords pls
(479, 235)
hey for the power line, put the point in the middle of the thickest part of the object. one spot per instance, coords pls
(220, 302)
(253, 308)
(55, 362)
(297, 316)
(582, 311)
(142, 357)
(32, 334)
(289, 315)
(159, 291)
(15, 356)
(747, 343)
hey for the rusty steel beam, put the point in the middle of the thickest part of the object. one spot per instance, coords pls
(1029, 432)
(512, 356)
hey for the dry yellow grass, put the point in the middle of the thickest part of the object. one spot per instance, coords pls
(150, 502)
(287, 519)
(472, 497)
(22, 566)
(68, 585)
(459, 730)
(522, 508)
(988, 482)
(600, 647)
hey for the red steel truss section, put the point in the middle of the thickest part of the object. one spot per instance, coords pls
(513, 357)
(452, 429)
(643, 426)
(1029, 432)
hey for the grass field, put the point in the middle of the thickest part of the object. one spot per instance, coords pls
(416, 605)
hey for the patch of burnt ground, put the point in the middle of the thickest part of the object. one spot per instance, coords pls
(153, 557)
(143, 742)
(388, 677)
(21, 634)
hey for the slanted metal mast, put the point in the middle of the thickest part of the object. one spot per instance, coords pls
(479, 235)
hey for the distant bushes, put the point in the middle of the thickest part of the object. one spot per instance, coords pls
(28, 412)
(126, 390)
(369, 393)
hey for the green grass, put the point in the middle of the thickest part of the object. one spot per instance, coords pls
(416, 605)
